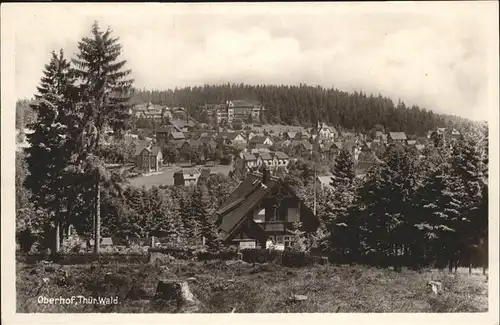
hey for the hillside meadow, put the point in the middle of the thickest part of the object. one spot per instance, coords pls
(240, 287)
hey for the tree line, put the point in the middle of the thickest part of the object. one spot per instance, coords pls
(411, 210)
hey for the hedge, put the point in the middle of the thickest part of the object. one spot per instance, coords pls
(256, 255)
(85, 258)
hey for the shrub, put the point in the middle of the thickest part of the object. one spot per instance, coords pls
(226, 254)
(260, 255)
(292, 258)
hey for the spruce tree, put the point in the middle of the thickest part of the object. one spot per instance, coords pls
(341, 198)
(105, 91)
(51, 142)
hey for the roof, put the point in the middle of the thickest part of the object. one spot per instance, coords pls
(261, 146)
(167, 129)
(243, 199)
(143, 144)
(248, 156)
(397, 135)
(265, 156)
(258, 139)
(412, 142)
(307, 145)
(178, 135)
(250, 192)
(155, 150)
(244, 103)
(281, 155)
(229, 135)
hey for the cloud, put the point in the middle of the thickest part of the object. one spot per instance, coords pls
(437, 61)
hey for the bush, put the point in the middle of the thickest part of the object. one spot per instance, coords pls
(183, 253)
(225, 255)
(298, 259)
(260, 255)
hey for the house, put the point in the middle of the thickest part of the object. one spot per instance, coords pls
(260, 213)
(365, 161)
(290, 135)
(250, 160)
(266, 140)
(265, 158)
(326, 132)
(281, 159)
(243, 109)
(163, 134)
(396, 137)
(262, 147)
(332, 149)
(148, 157)
(186, 177)
(190, 146)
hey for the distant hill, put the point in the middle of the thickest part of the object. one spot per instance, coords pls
(306, 105)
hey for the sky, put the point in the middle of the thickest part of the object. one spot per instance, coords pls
(436, 56)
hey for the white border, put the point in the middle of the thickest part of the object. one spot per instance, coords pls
(490, 10)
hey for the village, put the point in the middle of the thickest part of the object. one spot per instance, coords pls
(211, 192)
(182, 152)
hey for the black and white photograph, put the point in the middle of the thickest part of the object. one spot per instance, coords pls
(250, 158)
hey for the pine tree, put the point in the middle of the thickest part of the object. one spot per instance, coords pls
(340, 200)
(188, 215)
(201, 212)
(105, 92)
(52, 142)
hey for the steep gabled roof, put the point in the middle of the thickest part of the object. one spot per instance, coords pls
(178, 135)
(258, 139)
(155, 150)
(397, 135)
(247, 156)
(281, 155)
(246, 196)
(265, 155)
(143, 144)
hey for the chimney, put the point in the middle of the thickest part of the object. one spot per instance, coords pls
(265, 175)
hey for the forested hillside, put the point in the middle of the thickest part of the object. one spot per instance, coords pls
(306, 105)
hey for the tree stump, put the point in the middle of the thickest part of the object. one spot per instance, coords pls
(179, 292)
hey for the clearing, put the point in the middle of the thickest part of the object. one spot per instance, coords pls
(251, 288)
(166, 176)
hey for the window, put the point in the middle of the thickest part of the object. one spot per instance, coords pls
(288, 241)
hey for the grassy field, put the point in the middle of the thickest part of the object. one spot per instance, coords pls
(166, 176)
(247, 288)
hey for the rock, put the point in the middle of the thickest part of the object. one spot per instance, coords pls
(50, 269)
(178, 291)
(436, 286)
(296, 298)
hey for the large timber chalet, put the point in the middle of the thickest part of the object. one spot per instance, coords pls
(261, 212)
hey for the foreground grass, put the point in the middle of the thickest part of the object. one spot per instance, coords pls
(248, 288)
